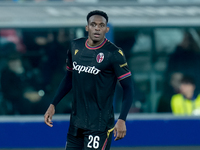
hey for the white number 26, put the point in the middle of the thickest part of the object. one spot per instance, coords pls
(95, 140)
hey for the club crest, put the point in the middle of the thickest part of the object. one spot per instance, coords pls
(100, 57)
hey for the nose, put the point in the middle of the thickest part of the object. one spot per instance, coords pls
(97, 28)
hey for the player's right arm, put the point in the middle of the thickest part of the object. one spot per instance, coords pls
(64, 88)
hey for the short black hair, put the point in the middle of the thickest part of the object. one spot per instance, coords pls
(188, 80)
(97, 12)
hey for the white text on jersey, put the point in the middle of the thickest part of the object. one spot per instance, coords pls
(88, 69)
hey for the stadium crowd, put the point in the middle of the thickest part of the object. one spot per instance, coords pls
(31, 65)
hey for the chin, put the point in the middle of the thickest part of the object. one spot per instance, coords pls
(97, 39)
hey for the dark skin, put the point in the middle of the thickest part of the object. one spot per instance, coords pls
(96, 28)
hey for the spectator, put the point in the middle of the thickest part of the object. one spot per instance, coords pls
(184, 60)
(43, 52)
(21, 87)
(187, 102)
(12, 36)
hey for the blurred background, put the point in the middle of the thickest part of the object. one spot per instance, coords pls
(161, 41)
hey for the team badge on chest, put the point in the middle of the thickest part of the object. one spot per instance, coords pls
(100, 57)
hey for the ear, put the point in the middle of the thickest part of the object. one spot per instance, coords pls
(86, 28)
(107, 29)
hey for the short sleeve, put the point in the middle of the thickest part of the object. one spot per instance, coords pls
(69, 60)
(120, 65)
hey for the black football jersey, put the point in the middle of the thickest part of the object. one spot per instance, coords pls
(95, 71)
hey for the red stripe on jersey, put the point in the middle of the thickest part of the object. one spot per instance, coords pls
(124, 76)
(70, 69)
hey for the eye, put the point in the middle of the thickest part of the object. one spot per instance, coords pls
(102, 25)
(93, 24)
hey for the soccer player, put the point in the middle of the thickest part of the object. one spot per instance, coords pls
(94, 65)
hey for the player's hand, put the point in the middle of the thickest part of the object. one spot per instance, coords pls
(49, 114)
(120, 129)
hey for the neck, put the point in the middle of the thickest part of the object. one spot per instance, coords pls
(94, 43)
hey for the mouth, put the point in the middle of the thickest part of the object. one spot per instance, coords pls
(97, 35)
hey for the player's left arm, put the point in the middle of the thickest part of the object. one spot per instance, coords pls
(120, 127)
(124, 77)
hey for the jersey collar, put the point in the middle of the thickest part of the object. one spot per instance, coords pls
(95, 47)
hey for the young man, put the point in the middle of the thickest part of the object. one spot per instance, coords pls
(93, 67)
(187, 102)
